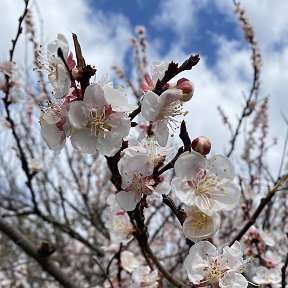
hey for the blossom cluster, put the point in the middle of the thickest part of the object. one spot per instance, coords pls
(97, 118)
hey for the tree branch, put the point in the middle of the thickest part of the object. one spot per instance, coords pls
(29, 248)
(260, 208)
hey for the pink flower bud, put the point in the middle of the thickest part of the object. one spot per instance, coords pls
(147, 83)
(201, 145)
(187, 88)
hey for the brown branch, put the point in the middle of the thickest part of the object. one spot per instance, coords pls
(30, 249)
(260, 208)
(160, 267)
(7, 102)
(174, 70)
(141, 234)
(283, 269)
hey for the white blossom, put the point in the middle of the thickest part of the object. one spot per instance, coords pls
(162, 110)
(264, 275)
(129, 262)
(55, 125)
(198, 225)
(143, 277)
(205, 266)
(136, 174)
(205, 183)
(158, 69)
(148, 147)
(118, 223)
(54, 66)
(98, 126)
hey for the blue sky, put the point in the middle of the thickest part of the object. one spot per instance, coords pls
(211, 21)
(175, 29)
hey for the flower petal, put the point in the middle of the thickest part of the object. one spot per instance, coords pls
(183, 191)
(54, 138)
(199, 226)
(189, 164)
(169, 96)
(161, 132)
(126, 200)
(84, 141)
(94, 98)
(233, 280)
(78, 114)
(109, 146)
(150, 106)
(114, 97)
(221, 166)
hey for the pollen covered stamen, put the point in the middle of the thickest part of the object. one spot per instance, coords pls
(47, 65)
(214, 273)
(97, 123)
(204, 184)
(200, 220)
(171, 111)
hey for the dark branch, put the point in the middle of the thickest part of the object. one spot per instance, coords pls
(30, 249)
(264, 202)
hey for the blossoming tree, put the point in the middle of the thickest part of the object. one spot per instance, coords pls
(124, 206)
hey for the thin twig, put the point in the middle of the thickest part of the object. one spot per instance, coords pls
(260, 208)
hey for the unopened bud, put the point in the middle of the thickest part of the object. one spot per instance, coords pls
(187, 88)
(201, 145)
(77, 74)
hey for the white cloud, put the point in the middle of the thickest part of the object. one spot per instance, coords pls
(267, 17)
(179, 16)
(104, 37)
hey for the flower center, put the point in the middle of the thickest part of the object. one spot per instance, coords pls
(213, 273)
(200, 220)
(204, 184)
(119, 226)
(170, 111)
(138, 183)
(97, 123)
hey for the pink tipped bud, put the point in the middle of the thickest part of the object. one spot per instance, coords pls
(147, 83)
(187, 88)
(201, 145)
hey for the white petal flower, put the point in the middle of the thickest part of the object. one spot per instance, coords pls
(204, 183)
(148, 147)
(204, 266)
(118, 223)
(198, 225)
(158, 69)
(145, 278)
(55, 126)
(162, 110)
(136, 173)
(60, 42)
(54, 66)
(136, 170)
(264, 275)
(128, 261)
(60, 80)
(98, 126)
